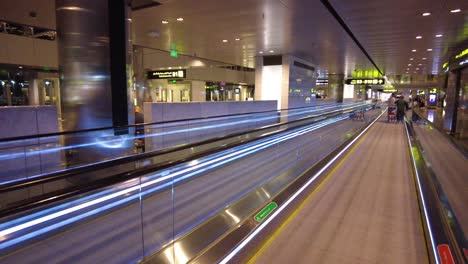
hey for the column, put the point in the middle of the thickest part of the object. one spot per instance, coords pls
(95, 69)
(452, 94)
(336, 86)
(8, 87)
(198, 91)
(92, 45)
(33, 92)
(289, 80)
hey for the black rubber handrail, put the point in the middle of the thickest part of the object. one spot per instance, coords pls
(146, 124)
(125, 176)
(106, 164)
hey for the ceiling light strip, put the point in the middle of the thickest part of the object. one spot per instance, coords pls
(350, 33)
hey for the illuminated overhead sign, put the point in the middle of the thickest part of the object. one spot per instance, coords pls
(374, 81)
(433, 91)
(390, 90)
(444, 65)
(366, 74)
(167, 74)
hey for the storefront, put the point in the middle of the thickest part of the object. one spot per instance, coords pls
(169, 86)
(24, 86)
(172, 86)
(222, 91)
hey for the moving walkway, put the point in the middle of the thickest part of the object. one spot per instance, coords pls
(201, 204)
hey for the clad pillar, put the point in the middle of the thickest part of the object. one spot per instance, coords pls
(8, 93)
(289, 80)
(336, 86)
(33, 92)
(93, 54)
(95, 67)
(452, 97)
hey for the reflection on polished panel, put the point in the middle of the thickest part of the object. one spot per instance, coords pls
(431, 115)
(73, 8)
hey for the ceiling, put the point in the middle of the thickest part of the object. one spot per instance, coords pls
(387, 30)
(38, 13)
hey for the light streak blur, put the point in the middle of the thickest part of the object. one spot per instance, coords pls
(41, 222)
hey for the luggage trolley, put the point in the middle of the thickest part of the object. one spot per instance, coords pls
(358, 115)
(391, 114)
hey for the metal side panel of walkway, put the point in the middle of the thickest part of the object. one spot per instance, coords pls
(365, 211)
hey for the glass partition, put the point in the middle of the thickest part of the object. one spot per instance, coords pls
(28, 158)
(162, 215)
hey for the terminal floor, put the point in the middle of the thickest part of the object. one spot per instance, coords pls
(366, 211)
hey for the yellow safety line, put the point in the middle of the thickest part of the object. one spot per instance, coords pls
(306, 200)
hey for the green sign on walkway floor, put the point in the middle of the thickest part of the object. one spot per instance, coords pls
(265, 211)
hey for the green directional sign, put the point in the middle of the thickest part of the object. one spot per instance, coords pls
(365, 81)
(265, 211)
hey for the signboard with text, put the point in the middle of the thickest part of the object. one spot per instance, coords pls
(321, 82)
(366, 81)
(167, 74)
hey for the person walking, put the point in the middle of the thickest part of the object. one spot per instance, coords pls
(401, 107)
(391, 113)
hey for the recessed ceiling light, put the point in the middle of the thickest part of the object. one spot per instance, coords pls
(438, 35)
(237, 39)
(418, 37)
(225, 40)
(426, 14)
(455, 10)
(419, 64)
(429, 49)
(245, 60)
(271, 51)
(409, 64)
(180, 19)
(407, 69)
(164, 21)
(21, 67)
(411, 59)
(417, 68)
(413, 50)
(261, 52)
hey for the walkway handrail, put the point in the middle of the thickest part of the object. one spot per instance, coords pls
(444, 238)
(122, 128)
(124, 176)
